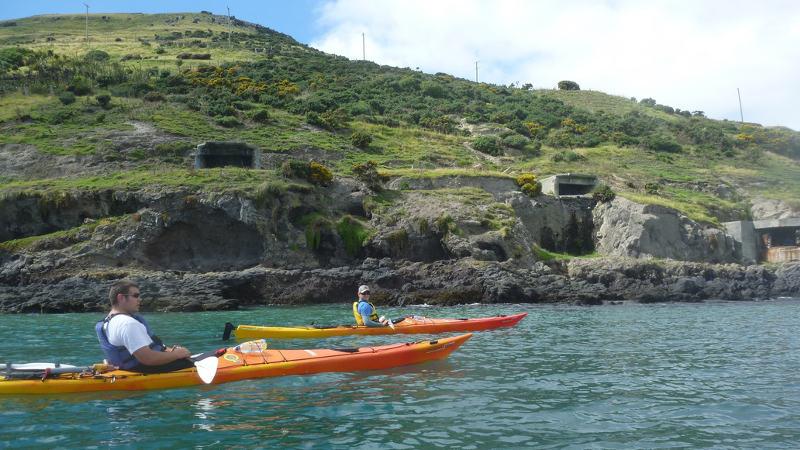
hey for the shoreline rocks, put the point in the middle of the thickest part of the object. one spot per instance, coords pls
(578, 281)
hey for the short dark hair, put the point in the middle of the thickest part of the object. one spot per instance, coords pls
(120, 287)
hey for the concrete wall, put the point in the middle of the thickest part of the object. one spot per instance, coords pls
(221, 154)
(568, 184)
(744, 233)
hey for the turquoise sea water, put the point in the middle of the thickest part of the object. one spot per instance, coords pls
(711, 375)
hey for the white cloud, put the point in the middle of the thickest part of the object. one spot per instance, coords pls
(686, 54)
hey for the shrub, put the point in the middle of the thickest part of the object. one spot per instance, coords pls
(651, 188)
(293, 168)
(57, 116)
(442, 124)
(651, 102)
(602, 193)
(567, 156)
(104, 100)
(567, 85)
(515, 141)
(154, 96)
(661, 143)
(80, 86)
(367, 173)
(193, 55)
(260, 116)
(433, 89)
(319, 174)
(330, 120)
(175, 148)
(525, 178)
(312, 171)
(66, 98)
(487, 144)
(14, 58)
(96, 55)
(532, 189)
(534, 148)
(227, 121)
(219, 107)
(360, 139)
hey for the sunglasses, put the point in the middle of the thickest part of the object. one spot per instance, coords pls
(365, 293)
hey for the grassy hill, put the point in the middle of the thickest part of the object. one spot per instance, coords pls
(194, 77)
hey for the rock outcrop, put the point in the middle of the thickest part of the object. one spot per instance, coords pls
(625, 228)
(766, 209)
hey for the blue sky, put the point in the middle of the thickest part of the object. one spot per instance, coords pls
(687, 54)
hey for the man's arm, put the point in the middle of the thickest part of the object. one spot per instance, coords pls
(370, 323)
(135, 338)
(150, 357)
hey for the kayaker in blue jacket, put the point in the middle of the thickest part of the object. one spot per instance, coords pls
(365, 312)
(126, 338)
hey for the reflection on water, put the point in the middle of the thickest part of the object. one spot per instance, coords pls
(719, 375)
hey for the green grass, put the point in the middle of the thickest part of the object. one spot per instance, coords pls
(594, 101)
(69, 236)
(546, 255)
(77, 129)
(444, 172)
(246, 181)
(68, 32)
(404, 147)
(692, 210)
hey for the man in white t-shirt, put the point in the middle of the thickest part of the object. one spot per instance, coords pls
(126, 338)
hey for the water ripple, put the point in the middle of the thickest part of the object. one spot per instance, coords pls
(714, 375)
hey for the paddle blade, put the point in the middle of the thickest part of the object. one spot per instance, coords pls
(226, 334)
(391, 325)
(207, 368)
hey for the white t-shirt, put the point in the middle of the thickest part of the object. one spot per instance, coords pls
(128, 332)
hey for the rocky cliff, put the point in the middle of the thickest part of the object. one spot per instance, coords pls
(439, 241)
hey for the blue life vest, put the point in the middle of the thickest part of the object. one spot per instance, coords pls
(119, 355)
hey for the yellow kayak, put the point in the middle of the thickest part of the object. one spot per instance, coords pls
(247, 360)
(406, 325)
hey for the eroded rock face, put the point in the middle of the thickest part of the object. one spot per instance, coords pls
(215, 243)
(586, 282)
(30, 215)
(557, 224)
(439, 224)
(764, 209)
(625, 228)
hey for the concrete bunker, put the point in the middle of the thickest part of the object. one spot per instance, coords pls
(227, 154)
(568, 184)
(775, 240)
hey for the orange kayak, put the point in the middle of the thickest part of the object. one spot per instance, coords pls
(407, 325)
(245, 361)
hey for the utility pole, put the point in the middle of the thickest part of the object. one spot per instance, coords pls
(476, 71)
(230, 30)
(87, 22)
(363, 48)
(741, 114)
